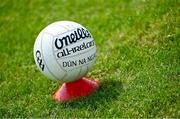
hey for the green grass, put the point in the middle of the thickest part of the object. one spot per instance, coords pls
(138, 58)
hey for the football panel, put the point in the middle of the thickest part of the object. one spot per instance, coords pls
(39, 60)
(49, 58)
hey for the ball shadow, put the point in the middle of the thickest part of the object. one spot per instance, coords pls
(108, 92)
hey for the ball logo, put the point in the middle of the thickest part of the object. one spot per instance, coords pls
(73, 37)
(39, 60)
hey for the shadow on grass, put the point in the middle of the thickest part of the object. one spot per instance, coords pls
(107, 93)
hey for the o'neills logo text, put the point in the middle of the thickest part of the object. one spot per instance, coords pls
(78, 34)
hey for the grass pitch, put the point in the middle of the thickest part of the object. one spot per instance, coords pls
(138, 58)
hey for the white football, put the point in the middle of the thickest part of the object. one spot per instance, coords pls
(65, 51)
